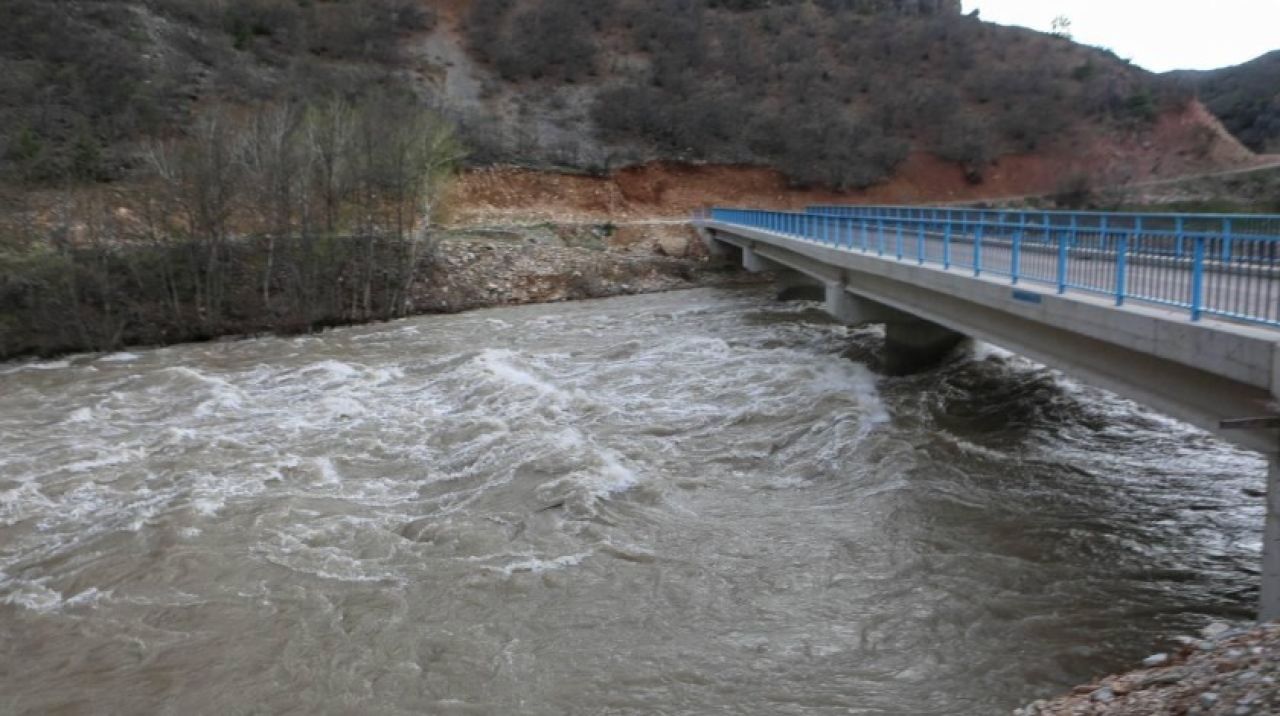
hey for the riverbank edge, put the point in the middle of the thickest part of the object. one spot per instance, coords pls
(478, 268)
(1224, 672)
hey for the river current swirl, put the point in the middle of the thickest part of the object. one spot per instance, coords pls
(686, 503)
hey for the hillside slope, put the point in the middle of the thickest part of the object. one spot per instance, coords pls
(847, 94)
(83, 81)
(1246, 98)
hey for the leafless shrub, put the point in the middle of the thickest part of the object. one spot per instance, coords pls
(288, 219)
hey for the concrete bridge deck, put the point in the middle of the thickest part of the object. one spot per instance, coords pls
(932, 285)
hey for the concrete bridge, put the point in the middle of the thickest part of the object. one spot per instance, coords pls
(1179, 312)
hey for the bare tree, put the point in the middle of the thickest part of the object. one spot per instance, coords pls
(330, 128)
(273, 161)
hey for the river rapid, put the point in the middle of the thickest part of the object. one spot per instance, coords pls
(687, 503)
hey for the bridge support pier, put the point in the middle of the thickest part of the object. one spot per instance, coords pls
(910, 343)
(857, 311)
(1269, 606)
(795, 286)
(792, 285)
(916, 344)
(755, 263)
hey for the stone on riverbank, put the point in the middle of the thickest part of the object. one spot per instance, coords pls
(1227, 673)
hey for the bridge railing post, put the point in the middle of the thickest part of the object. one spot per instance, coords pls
(1226, 241)
(1015, 254)
(1197, 279)
(977, 249)
(898, 238)
(1063, 256)
(1122, 268)
(946, 243)
(920, 243)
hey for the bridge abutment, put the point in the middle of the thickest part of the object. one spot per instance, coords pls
(718, 251)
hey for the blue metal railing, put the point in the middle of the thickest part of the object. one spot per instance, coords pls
(1207, 264)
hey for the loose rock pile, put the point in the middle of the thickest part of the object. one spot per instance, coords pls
(515, 266)
(1226, 672)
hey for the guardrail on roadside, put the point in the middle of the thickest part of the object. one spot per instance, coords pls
(1208, 264)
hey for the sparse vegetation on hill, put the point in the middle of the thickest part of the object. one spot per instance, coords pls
(835, 92)
(1246, 98)
(82, 81)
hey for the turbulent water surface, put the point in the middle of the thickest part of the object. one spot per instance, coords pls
(688, 503)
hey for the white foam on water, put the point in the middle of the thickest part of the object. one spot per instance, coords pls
(971, 447)
(536, 565)
(983, 350)
(20, 501)
(33, 595)
(208, 506)
(328, 473)
(122, 357)
(110, 457)
(334, 370)
(223, 395)
(502, 364)
(855, 379)
(612, 477)
(380, 376)
(325, 551)
(342, 407)
(88, 598)
(40, 365)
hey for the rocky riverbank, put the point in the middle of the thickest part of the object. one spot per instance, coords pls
(479, 267)
(1224, 672)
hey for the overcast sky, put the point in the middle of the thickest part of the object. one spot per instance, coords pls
(1159, 35)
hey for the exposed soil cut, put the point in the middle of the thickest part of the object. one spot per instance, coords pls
(672, 190)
